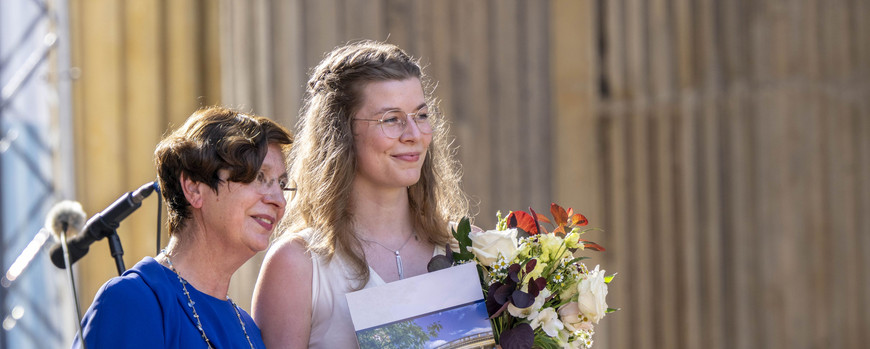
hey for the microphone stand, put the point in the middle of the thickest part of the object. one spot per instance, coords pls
(117, 251)
(72, 283)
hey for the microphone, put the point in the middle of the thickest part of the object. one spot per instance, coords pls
(101, 225)
(65, 216)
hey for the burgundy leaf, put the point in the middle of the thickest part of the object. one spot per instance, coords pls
(439, 262)
(530, 265)
(534, 290)
(502, 293)
(537, 224)
(519, 337)
(522, 299)
(541, 283)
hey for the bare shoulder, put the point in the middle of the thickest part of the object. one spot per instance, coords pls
(282, 296)
(288, 251)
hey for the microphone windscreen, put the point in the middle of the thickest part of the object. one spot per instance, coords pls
(69, 212)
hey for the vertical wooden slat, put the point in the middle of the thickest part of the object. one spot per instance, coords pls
(102, 113)
(638, 166)
(662, 81)
(144, 119)
(364, 19)
(210, 59)
(535, 116)
(575, 126)
(709, 175)
(471, 125)
(797, 218)
(861, 18)
(688, 225)
(615, 162)
(240, 87)
(436, 56)
(575, 129)
(182, 59)
(819, 258)
(503, 87)
(320, 34)
(262, 57)
(768, 141)
(401, 25)
(287, 39)
(737, 224)
(840, 179)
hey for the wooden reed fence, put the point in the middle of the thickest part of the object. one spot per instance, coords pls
(724, 146)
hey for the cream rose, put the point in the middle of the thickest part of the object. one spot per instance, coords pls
(571, 317)
(592, 292)
(486, 245)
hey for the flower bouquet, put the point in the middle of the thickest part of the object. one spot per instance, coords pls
(538, 292)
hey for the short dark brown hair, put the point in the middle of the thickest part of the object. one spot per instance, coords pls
(213, 139)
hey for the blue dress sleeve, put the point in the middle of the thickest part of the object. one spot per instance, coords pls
(125, 314)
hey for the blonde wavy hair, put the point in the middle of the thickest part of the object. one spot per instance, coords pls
(323, 158)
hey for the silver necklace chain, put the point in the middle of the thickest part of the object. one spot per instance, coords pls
(190, 304)
(396, 252)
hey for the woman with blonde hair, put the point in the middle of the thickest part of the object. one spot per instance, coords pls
(376, 188)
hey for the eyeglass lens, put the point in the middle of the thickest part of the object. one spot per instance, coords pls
(394, 122)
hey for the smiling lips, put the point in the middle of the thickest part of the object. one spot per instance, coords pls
(266, 221)
(410, 157)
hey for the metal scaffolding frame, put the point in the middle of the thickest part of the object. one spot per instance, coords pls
(36, 170)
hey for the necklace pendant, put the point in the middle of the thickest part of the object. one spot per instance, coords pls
(399, 266)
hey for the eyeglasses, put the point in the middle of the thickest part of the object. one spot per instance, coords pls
(264, 184)
(394, 122)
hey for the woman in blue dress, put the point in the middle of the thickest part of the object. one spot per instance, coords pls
(223, 177)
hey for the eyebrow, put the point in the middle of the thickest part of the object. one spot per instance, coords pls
(386, 109)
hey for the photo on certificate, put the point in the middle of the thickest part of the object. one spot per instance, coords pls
(442, 309)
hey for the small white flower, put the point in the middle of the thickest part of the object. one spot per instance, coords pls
(548, 320)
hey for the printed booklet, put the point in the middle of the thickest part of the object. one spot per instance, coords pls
(439, 310)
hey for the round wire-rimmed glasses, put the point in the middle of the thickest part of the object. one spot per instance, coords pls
(394, 122)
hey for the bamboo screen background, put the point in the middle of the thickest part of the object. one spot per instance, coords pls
(723, 146)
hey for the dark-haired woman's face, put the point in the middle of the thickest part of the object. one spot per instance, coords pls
(384, 161)
(246, 214)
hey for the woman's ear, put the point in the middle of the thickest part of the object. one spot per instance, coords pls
(192, 191)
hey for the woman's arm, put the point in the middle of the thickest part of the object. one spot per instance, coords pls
(282, 296)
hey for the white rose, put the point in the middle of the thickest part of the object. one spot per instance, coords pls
(486, 245)
(592, 292)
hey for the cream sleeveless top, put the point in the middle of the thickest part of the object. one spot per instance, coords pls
(331, 325)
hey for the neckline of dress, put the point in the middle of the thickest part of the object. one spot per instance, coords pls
(375, 279)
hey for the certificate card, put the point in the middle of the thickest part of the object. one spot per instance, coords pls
(438, 310)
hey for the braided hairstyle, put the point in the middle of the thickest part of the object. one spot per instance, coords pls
(323, 159)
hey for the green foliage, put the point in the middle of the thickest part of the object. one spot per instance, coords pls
(399, 335)
(461, 235)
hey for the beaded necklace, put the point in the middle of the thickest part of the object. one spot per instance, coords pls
(190, 304)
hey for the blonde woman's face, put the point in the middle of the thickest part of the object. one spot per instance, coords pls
(385, 162)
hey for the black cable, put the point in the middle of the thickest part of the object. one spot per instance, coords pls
(72, 283)
(159, 213)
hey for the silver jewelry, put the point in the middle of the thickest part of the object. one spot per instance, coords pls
(190, 304)
(398, 256)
